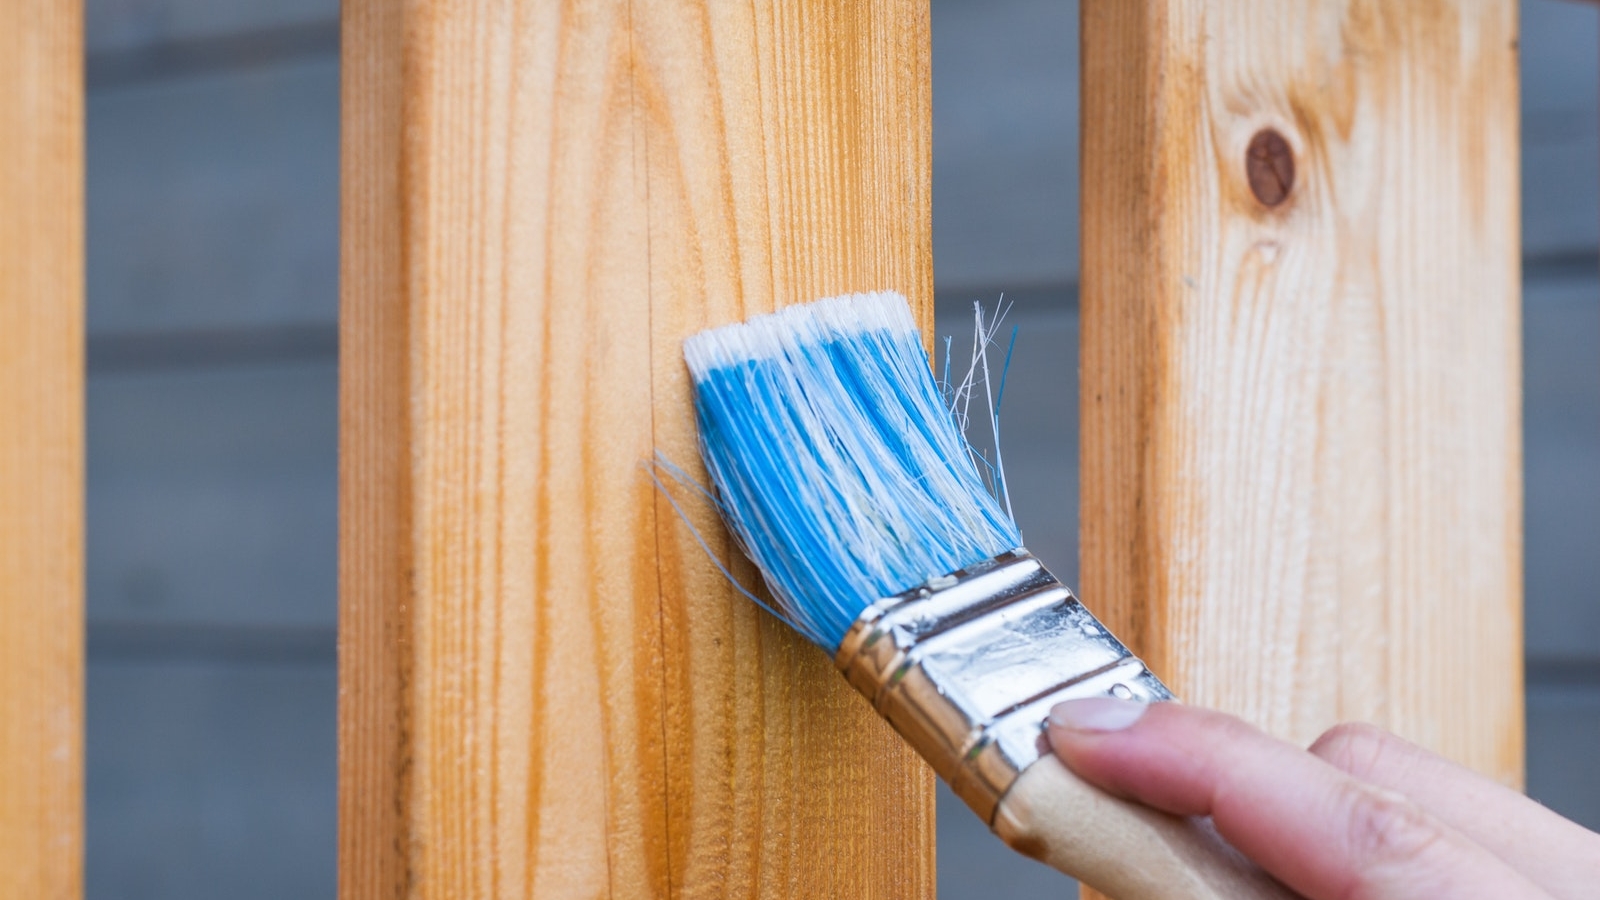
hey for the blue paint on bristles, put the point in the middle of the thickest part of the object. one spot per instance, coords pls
(836, 463)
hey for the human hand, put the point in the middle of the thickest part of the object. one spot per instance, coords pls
(1362, 815)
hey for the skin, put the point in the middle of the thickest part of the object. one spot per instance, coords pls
(1361, 815)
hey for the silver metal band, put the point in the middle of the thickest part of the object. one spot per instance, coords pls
(967, 666)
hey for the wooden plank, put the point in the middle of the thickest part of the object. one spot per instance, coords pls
(1301, 455)
(41, 448)
(546, 689)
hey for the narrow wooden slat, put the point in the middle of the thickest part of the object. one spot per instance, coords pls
(41, 448)
(546, 687)
(787, 159)
(1301, 455)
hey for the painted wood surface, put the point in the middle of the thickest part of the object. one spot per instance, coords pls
(1301, 422)
(546, 688)
(41, 449)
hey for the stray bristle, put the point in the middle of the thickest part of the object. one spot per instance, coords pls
(837, 465)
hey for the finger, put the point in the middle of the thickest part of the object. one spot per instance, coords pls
(1555, 854)
(1315, 828)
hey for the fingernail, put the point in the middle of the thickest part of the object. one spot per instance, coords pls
(1096, 714)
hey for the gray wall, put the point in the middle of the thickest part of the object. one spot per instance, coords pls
(213, 295)
(213, 222)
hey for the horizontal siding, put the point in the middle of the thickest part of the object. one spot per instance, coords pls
(214, 201)
(112, 25)
(1561, 460)
(210, 781)
(1005, 143)
(212, 495)
(1563, 750)
(1560, 127)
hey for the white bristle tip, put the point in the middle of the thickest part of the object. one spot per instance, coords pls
(806, 324)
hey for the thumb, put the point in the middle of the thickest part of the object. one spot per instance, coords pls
(1317, 829)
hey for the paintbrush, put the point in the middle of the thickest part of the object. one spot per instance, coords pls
(843, 475)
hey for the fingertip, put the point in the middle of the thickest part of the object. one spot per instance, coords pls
(1096, 715)
(1359, 749)
(1135, 750)
(1090, 735)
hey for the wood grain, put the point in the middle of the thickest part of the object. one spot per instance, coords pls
(41, 449)
(546, 688)
(1301, 455)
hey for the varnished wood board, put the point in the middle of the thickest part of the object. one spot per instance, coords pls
(1301, 437)
(41, 449)
(1301, 478)
(547, 690)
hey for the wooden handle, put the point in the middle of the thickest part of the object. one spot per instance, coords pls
(1122, 849)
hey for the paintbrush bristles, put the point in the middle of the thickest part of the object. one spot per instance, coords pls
(837, 465)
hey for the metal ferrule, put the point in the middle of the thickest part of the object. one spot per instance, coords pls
(967, 666)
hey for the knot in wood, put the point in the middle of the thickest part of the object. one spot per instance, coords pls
(1269, 164)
